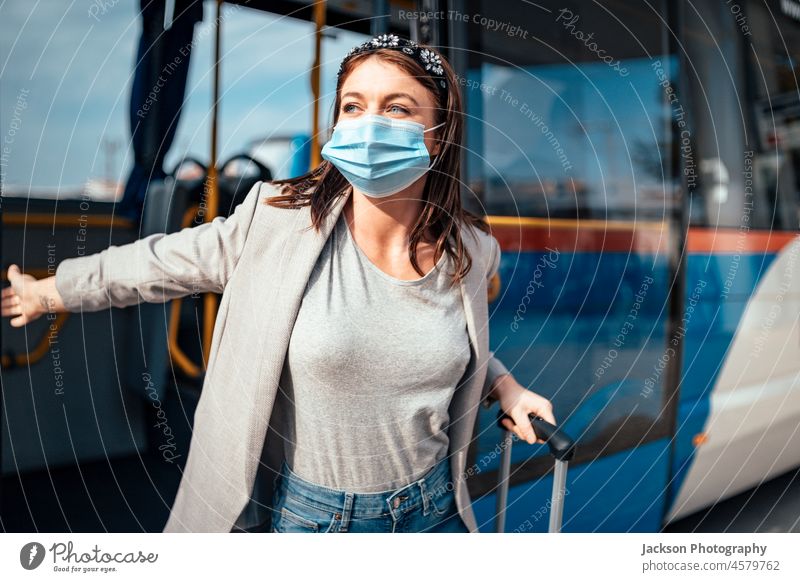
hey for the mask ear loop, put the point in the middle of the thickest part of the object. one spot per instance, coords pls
(436, 157)
(434, 127)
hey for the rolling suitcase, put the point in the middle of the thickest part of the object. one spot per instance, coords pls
(562, 447)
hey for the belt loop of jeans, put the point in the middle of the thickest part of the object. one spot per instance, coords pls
(431, 484)
(346, 511)
(423, 490)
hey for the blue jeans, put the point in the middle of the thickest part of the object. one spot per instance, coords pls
(426, 505)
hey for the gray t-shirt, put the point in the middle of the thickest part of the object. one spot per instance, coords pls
(372, 365)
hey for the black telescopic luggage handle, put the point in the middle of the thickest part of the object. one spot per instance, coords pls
(562, 447)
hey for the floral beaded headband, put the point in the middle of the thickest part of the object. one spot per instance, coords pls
(427, 59)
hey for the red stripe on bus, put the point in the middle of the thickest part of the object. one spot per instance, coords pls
(533, 234)
(732, 240)
(565, 235)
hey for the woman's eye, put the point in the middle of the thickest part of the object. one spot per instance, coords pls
(397, 109)
(348, 108)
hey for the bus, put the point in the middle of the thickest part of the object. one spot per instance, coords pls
(637, 162)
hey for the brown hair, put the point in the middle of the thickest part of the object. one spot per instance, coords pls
(442, 211)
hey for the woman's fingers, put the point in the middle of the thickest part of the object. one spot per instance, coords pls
(548, 416)
(19, 321)
(11, 305)
(520, 418)
(10, 301)
(8, 292)
(9, 310)
(546, 412)
(509, 424)
(12, 298)
(13, 273)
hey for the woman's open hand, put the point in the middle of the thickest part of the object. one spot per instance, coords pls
(27, 298)
(518, 402)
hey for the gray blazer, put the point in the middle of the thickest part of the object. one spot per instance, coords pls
(259, 259)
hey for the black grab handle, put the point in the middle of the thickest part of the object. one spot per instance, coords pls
(562, 447)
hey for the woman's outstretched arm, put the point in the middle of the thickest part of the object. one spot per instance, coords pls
(159, 267)
(154, 269)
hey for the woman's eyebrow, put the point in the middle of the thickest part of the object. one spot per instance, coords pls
(358, 95)
(396, 95)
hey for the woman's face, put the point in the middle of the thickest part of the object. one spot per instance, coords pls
(379, 88)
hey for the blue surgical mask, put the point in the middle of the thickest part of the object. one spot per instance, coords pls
(379, 155)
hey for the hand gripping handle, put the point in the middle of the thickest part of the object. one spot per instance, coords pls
(562, 446)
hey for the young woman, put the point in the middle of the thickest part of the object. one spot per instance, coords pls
(350, 351)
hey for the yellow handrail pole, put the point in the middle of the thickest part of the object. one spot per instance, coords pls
(212, 203)
(319, 20)
(179, 358)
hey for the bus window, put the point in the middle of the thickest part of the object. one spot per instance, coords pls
(571, 117)
(66, 98)
(743, 85)
(772, 87)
